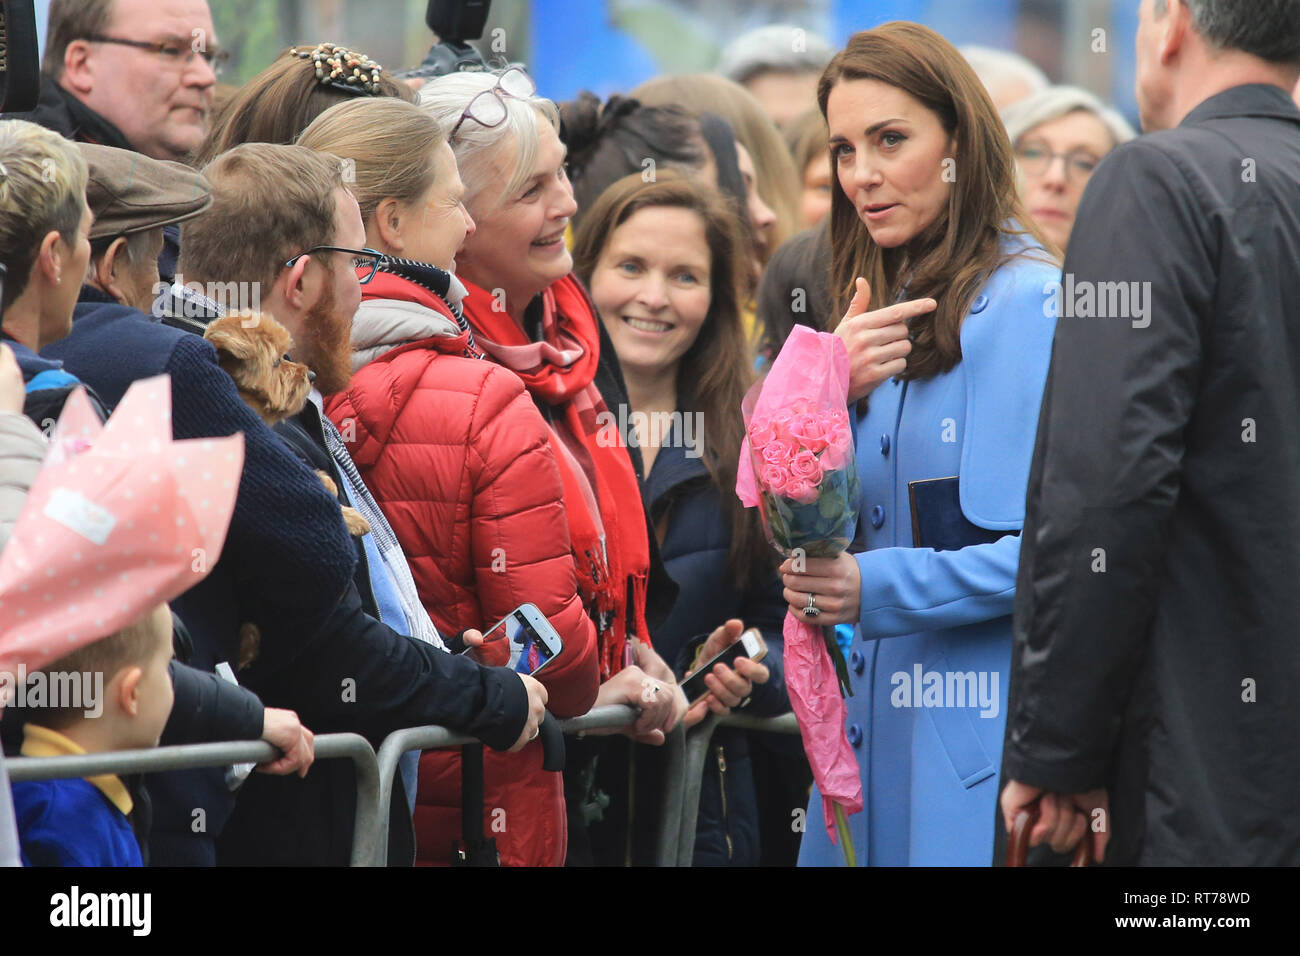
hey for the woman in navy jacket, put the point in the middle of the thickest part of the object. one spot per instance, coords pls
(664, 261)
(926, 218)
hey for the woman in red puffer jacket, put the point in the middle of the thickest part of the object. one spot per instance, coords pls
(459, 459)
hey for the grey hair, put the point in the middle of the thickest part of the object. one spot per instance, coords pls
(446, 99)
(1057, 101)
(780, 48)
(998, 67)
(138, 248)
(1268, 29)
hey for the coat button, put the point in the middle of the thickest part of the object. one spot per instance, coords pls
(979, 305)
(857, 661)
(884, 444)
(855, 735)
(877, 517)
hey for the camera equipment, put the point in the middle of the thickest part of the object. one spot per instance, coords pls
(455, 22)
(20, 68)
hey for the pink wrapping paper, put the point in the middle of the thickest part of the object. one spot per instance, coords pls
(811, 371)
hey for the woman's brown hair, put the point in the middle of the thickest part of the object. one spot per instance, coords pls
(717, 370)
(279, 103)
(776, 178)
(953, 258)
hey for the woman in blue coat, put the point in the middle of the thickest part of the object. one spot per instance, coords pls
(926, 218)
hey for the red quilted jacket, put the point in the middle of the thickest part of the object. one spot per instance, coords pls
(459, 459)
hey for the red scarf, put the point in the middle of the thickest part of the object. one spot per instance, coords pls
(607, 529)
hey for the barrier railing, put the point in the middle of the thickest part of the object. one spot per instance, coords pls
(353, 747)
(697, 748)
(376, 770)
(601, 718)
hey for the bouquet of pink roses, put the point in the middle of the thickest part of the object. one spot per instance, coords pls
(797, 467)
(803, 454)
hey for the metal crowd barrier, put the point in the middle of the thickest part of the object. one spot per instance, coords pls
(675, 841)
(192, 756)
(697, 749)
(436, 738)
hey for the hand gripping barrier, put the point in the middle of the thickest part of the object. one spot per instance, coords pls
(353, 747)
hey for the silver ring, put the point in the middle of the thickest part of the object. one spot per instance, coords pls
(535, 733)
(812, 610)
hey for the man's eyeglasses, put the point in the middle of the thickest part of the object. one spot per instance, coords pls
(175, 52)
(365, 261)
(488, 108)
(1036, 159)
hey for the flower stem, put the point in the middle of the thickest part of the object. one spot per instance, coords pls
(846, 839)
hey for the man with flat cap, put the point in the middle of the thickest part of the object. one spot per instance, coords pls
(132, 198)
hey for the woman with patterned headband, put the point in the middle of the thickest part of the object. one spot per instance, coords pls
(281, 101)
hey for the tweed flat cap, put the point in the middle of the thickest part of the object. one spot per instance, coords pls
(129, 192)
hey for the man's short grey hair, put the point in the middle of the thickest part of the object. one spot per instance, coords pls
(477, 146)
(138, 248)
(998, 68)
(1057, 101)
(780, 48)
(1268, 29)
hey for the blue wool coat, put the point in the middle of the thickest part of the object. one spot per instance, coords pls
(930, 657)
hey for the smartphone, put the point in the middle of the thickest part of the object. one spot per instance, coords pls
(751, 645)
(524, 640)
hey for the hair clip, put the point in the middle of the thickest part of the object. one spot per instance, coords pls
(340, 68)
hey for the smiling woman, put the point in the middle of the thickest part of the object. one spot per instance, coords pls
(529, 313)
(667, 263)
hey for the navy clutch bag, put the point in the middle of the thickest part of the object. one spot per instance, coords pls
(937, 519)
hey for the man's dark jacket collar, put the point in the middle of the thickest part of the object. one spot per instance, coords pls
(62, 112)
(1252, 99)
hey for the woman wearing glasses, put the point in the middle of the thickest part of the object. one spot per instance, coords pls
(1060, 135)
(456, 456)
(529, 313)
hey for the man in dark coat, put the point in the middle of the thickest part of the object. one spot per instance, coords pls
(135, 74)
(1154, 698)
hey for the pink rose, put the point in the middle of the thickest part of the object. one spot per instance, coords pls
(774, 478)
(810, 431)
(801, 406)
(779, 452)
(804, 492)
(781, 420)
(806, 467)
(839, 448)
(761, 431)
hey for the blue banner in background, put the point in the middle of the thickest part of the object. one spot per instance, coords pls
(610, 46)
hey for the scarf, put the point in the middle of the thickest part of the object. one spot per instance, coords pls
(448, 289)
(602, 496)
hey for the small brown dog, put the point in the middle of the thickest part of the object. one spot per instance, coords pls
(251, 349)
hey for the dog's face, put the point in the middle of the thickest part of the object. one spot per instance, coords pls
(251, 349)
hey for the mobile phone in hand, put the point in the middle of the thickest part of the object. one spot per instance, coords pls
(750, 644)
(524, 640)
